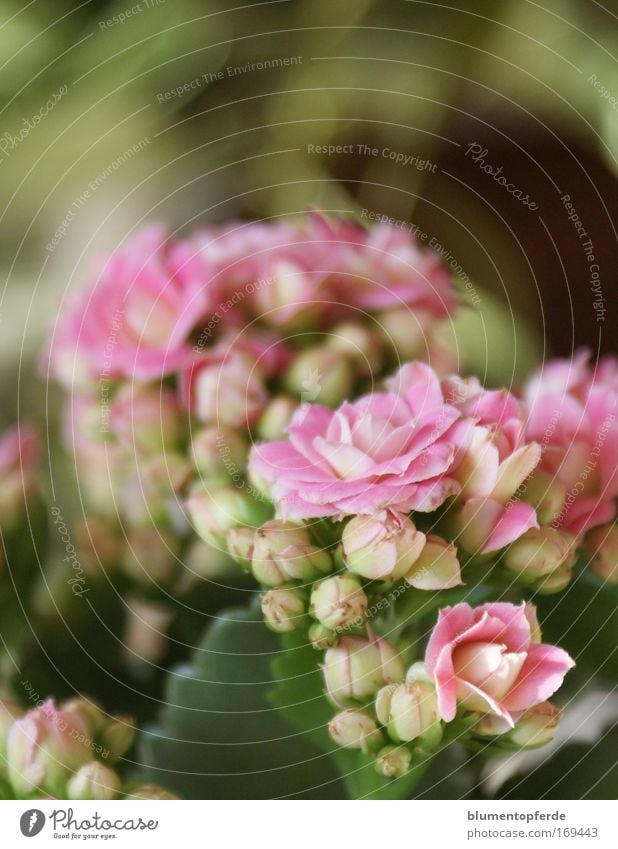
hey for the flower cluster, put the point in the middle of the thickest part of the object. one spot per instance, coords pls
(66, 751)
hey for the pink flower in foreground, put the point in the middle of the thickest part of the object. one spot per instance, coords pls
(573, 413)
(391, 449)
(492, 466)
(487, 659)
(134, 321)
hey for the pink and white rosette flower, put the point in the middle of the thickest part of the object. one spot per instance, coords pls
(492, 467)
(388, 450)
(135, 319)
(573, 413)
(488, 659)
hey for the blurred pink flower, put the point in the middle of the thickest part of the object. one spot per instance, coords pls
(487, 659)
(135, 319)
(19, 453)
(573, 413)
(391, 449)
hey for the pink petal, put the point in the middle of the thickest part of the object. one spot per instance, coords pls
(541, 675)
(516, 519)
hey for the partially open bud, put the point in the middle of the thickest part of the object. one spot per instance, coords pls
(93, 781)
(546, 494)
(601, 546)
(536, 726)
(216, 511)
(284, 609)
(276, 417)
(44, 748)
(339, 602)
(437, 567)
(145, 419)
(393, 761)
(219, 451)
(355, 729)
(410, 712)
(383, 547)
(356, 668)
(239, 543)
(90, 713)
(360, 344)
(283, 551)
(322, 637)
(540, 553)
(320, 375)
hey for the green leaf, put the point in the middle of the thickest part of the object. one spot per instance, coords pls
(299, 694)
(218, 737)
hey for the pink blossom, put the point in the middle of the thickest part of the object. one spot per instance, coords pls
(135, 319)
(573, 413)
(391, 449)
(19, 453)
(492, 466)
(487, 659)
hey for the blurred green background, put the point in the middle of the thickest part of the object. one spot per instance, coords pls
(193, 112)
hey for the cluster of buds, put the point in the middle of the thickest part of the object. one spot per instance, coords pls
(69, 751)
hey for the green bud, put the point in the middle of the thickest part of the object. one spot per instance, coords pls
(320, 375)
(276, 417)
(356, 668)
(539, 553)
(321, 637)
(118, 736)
(219, 451)
(283, 552)
(284, 609)
(546, 495)
(149, 791)
(339, 602)
(383, 547)
(601, 544)
(393, 761)
(360, 344)
(536, 726)
(410, 712)
(216, 511)
(240, 546)
(93, 781)
(355, 729)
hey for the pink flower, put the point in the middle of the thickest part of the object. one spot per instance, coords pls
(492, 466)
(487, 659)
(573, 413)
(135, 319)
(391, 449)
(384, 267)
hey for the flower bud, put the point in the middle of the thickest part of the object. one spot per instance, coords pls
(204, 562)
(145, 419)
(9, 712)
(145, 636)
(284, 609)
(539, 553)
(149, 791)
(239, 543)
(276, 417)
(355, 729)
(320, 375)
(384, 547)
(282, 551)
(357, 667)
(219, 451)
(339, 602)
(229, 392)
(403, 332)
(437, 567)
(117, 737)
(554, 583)
(216, 511)
(321, 637)
(360, 344)
(546, 494)
(150, 556)
(601, 544)
(536, 726)
(44, 747)
(409, 712)
(150, 493)
(97, 543)
(393, 761)
(89, 712)
(93, 781)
